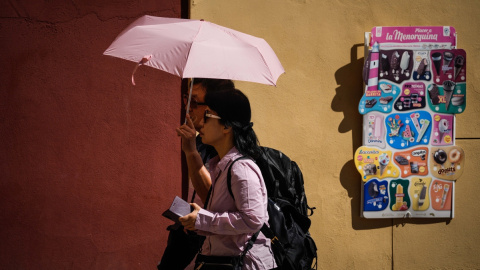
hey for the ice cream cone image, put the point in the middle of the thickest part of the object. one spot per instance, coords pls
(447, 58)
(383, 160)
(443, 128)
(459, 62)
(448, 87)
(437, 58)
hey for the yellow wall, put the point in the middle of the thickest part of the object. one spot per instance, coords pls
(312, 117)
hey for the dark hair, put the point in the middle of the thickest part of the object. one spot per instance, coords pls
(234, 109)
(212, 85)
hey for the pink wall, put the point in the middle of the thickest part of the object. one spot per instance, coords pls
(88, 162)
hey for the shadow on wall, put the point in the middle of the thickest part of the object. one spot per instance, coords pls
(348, 95)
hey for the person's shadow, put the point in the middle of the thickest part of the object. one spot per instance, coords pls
(348, 95)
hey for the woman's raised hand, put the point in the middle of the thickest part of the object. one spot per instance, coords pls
(188, 133)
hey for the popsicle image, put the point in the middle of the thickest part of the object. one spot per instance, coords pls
(416, 124)
(424, 128)
(459, 62)
(399, 196)
(446, 187)
(437, 58)
(404, 62)
(373, 70)
(448, 87)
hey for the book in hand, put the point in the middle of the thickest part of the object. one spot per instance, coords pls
(179, 208)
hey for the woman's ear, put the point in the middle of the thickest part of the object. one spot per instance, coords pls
(227, 129)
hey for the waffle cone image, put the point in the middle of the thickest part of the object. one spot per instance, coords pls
(448, 87)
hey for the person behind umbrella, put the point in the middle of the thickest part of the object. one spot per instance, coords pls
(202, 86)
(227, 222)
(181, 247)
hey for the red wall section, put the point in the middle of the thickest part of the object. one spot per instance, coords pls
(88, 162)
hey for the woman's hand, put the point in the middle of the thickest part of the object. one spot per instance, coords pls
(188, 221)
(188, 133)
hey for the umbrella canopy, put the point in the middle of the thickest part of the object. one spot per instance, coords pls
(197, 48)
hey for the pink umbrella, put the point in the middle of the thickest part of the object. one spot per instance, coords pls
(197, 48)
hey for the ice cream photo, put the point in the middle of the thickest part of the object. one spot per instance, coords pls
(434, 93)
(437, 58)
(383, 160)
(447, 58)
(459, 62)
(448, 87)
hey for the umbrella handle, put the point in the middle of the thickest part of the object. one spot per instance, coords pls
(189, 98)
(145, 59)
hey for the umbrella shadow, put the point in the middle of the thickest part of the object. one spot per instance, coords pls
(348, 95)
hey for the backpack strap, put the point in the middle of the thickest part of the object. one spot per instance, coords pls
(252, 240)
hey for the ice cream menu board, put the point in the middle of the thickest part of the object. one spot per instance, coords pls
(415, 84)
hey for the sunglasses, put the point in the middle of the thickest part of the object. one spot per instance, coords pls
(193, 103)
(208, 115)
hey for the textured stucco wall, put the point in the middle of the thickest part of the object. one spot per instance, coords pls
(88, 162)
(312, 116)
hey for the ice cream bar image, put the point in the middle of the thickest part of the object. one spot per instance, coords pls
(416, 124)
(422, 67)
(405, 61)
(423, 194)
(424, 128)
(373, 70)
(385, 64)
(446, 187)
(459, 62)
(434, 93)
(395, 61)
(436, 58)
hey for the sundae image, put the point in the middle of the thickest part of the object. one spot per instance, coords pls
(370, 169)
(448, 87)
(383, 160)
(459, 62)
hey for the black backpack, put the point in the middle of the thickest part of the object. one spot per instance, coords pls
(292, 244)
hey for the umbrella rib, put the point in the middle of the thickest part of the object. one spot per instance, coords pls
(193, 40)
